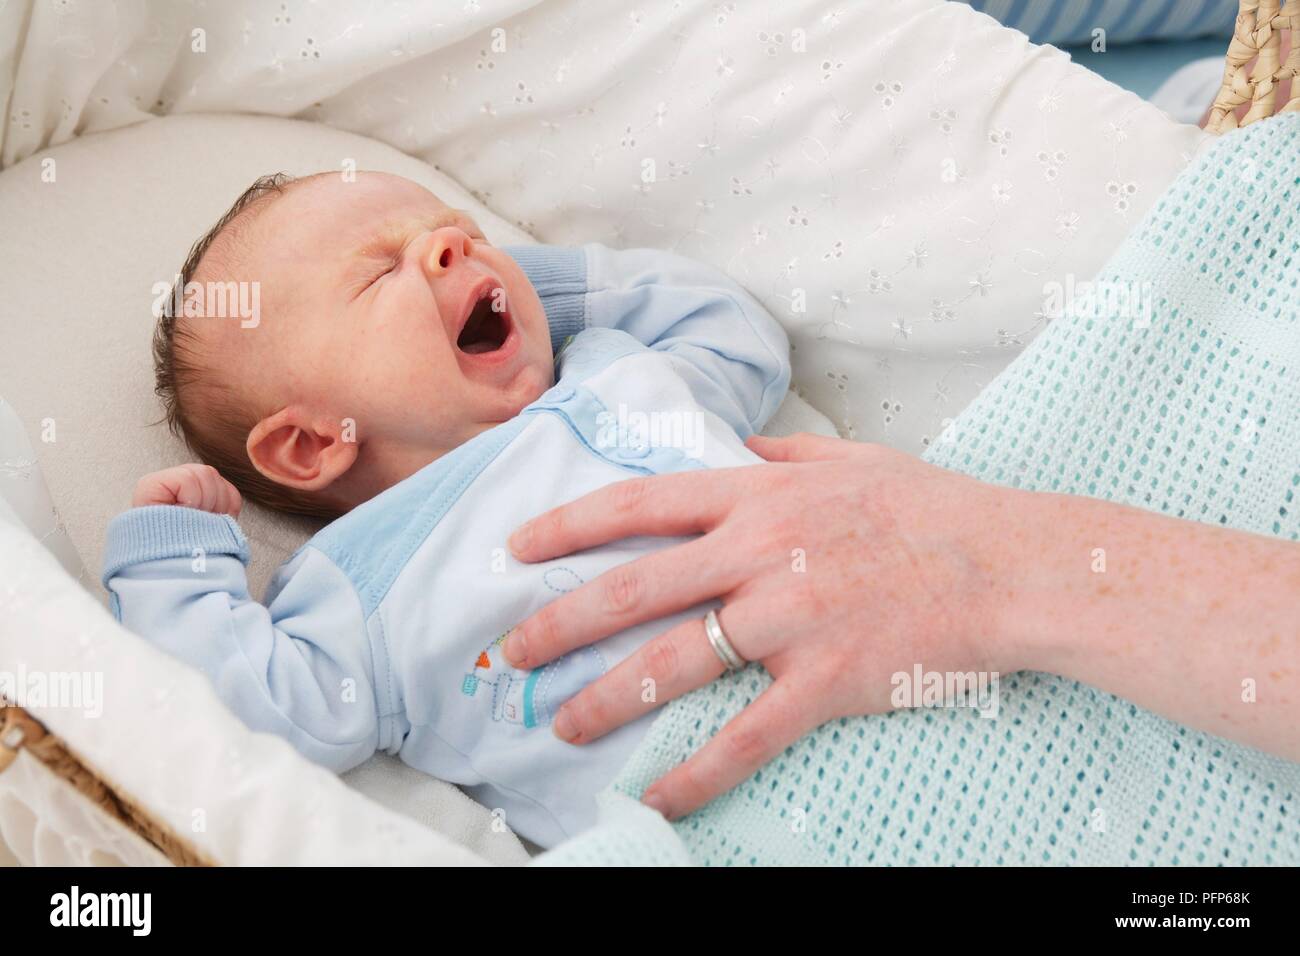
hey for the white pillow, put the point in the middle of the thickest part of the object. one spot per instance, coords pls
(911, 171)
(119, 215)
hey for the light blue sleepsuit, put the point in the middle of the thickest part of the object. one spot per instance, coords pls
(382, 632)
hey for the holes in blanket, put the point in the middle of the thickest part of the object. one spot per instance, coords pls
(830, 68)
(888, 93)
(773, 43)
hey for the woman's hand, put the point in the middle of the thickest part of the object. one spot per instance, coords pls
(841, 564)
(838, 566)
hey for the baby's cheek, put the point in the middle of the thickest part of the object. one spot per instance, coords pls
(534, 313)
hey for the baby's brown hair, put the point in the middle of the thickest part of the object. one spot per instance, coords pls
(219, 436)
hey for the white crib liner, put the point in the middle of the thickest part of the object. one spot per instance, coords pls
(164, 736)
(165, 740)
(44, 821)
(238, 797)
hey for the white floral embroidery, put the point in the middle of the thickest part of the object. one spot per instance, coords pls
(767, 160)
(1001, 138)
(1051, 162)
(945, 119)
(939, 312)
(1121, 193)
(1067, 224)
(888, 93)
(830, 68)
(772, 43)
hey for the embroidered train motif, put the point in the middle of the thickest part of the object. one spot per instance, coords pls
(532, 698)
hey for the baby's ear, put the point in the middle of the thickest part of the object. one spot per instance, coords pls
(296, 449)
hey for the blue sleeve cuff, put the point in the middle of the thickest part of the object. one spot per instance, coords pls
(168, 531)
(559, 275)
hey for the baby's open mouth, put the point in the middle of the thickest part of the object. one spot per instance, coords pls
(486, 329)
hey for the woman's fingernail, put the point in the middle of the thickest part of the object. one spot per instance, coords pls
(656, 803)
(519, 540)
(514, 649)
(564, 728)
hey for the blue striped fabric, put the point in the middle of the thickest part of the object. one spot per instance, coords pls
(1066, 22)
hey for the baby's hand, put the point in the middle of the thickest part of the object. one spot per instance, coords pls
(193, 486)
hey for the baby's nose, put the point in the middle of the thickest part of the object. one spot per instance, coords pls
(450, 243)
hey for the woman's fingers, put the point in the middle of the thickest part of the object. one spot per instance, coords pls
(687, 502)
(777, 718)
(661, 583)
(674, 663)
(801, 446)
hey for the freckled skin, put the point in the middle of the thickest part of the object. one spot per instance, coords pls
(909, 563)
(1187, 613)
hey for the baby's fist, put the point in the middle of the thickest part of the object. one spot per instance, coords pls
(192, 486)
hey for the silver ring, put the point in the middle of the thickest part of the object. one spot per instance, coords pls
(721, 646)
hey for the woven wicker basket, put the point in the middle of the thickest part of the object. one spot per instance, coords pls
(1254, 74)
(19, 729)
(1255, 77)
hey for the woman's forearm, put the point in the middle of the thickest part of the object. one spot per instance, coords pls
(1198, 623)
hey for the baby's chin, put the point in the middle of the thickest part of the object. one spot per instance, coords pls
(528, 387)
(537, 390)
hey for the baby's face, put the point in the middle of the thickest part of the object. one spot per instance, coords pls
(382, 305)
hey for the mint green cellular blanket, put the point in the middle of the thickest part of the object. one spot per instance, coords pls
(1174, 386)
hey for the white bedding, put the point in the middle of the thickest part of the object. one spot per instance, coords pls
(77, 365)
(163, 736)
(908, 171)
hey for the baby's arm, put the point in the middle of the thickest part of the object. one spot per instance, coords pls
(737, 355)
(299, 667)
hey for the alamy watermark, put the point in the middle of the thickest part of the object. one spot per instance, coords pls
(133, 911)
(922, 688)
(66, 690)
(1101, 299)
(210, 300)
(639, 431)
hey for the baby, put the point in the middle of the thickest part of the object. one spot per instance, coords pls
(402, 379)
